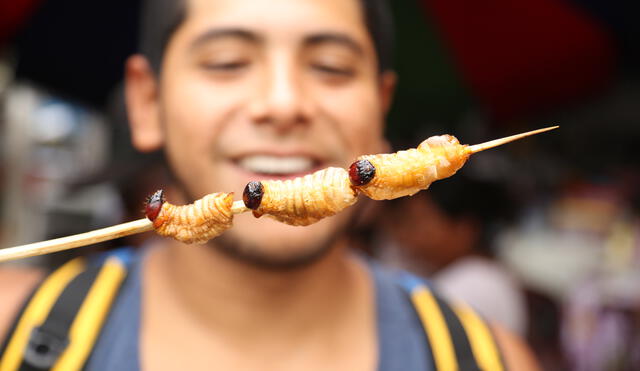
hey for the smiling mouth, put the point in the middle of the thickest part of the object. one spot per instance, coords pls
(277, 166)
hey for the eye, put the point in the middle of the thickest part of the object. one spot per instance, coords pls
(226, 66)
(333, 70)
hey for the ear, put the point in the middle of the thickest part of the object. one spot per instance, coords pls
(141, 94)
(388, 81)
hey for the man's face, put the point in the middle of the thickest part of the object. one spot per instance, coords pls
(276, 89)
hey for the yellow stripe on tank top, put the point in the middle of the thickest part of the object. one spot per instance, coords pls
(482, 342)
(36, 312)
(438, 334)
(88, 323)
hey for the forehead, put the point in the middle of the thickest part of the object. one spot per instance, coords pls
(291, 18)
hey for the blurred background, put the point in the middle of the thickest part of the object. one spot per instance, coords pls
(542, 235)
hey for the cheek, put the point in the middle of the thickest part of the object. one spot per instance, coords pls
(359, 114)
(195, 107)
(187, 132)
(195, 112)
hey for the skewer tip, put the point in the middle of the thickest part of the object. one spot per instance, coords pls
(497, 142)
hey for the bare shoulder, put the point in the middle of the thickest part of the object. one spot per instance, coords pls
(15, 284)
(516, 353)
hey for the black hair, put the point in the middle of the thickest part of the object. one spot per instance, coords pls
(161, 18)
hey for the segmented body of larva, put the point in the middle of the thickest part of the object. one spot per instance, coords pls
(198, 222)
(406, 172)
(304, 200)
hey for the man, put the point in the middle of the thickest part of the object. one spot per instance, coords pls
(247, 90)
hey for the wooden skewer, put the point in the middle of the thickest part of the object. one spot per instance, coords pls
(144, 225)
(77, 240)
(88, 238)
(238, 207)
(498, 142)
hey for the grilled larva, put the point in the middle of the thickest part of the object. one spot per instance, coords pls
(198, 222)
(302, 201)
(389, 176)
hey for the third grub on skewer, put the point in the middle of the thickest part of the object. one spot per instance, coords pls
(404, 173)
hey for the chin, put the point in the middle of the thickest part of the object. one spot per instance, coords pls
(268, 244)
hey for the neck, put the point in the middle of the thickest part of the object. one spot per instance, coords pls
(243, 301)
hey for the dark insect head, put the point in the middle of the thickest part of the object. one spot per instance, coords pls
(154, 205)
(252, 195)
(361, 172)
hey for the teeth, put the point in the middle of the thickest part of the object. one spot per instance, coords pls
(276, 165)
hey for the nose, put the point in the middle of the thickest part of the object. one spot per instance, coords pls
(281, 101)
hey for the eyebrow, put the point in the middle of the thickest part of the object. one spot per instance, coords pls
(311, 40)
(334, 38)
(221, 33)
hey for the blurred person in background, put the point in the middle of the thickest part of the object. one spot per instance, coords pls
(235, 91)
(447, 234)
